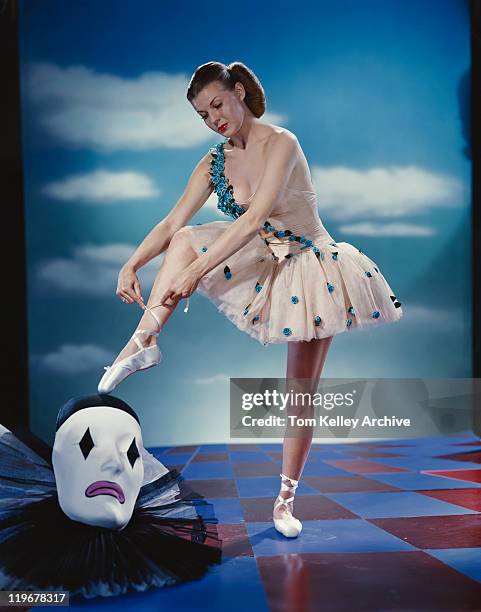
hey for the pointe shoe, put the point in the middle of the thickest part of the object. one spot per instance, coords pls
(287, 524)
(144, 358)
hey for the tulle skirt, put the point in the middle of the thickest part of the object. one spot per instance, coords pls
(276, 292)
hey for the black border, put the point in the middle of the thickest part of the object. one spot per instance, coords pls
(14, 355)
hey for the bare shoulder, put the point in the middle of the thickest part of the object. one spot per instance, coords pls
(282, 143)
(275, 133)
(204, 162)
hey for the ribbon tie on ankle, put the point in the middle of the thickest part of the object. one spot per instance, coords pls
(286, 487)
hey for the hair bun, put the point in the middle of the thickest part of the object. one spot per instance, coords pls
(255, 96)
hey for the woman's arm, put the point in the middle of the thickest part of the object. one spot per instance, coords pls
(282, 153)
(198, 189)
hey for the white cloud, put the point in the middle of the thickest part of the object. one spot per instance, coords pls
(387, 229)
(434, 316)
(93, 270)
(395, 191)
(102, 186)
(76, 358)
(212, 380)
(83, 108)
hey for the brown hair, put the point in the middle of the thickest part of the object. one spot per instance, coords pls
(255, 98)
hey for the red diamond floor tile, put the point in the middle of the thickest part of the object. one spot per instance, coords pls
(366, 582)
(473, 443)
(214, 488)
(467, 498)
(344, 484)
(452, 531)
(467, 475)
(244, 447)
(210, 457)
(235, 541)
(473, 457)
(306, 508)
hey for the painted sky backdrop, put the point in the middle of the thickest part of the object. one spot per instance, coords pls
(380, 107)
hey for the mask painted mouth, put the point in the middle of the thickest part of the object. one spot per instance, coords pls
(105, 487)
(223, 127)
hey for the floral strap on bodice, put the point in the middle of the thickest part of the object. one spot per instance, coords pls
(222, 187)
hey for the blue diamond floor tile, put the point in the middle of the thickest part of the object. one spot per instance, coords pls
(227, 510)
(172, 458)
(346, 535)
(268, 486)
(395, 504)
(464, 560)
(213, 448)
(235, 586)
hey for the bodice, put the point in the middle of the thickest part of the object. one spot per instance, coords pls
(294, 218)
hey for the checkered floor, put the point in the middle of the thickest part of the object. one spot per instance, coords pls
(391, 525)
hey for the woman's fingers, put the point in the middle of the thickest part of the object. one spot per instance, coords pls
(135, 298)
(129, 297)
(137, 289)
(168, 295)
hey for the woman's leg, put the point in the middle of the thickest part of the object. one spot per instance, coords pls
(305, 361)
(177, 257)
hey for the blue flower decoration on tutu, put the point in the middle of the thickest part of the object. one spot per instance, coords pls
(334, 255)
(287, 331)
(294, 299)
(227, 272)
(330, 287)
(351, 310)
(258, 287)
(368, 274)
(317, 320)
(203, 249)
(255, 319)
(376, 314)
(348, 322)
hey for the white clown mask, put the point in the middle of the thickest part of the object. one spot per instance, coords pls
(97, 461)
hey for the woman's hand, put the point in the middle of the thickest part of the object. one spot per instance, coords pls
(182, 286)
(128, 287)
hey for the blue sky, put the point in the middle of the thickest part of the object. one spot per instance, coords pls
(381, 111)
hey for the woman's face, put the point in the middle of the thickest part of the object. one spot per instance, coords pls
(221, 109)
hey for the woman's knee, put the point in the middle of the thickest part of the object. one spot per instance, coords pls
(181, 240)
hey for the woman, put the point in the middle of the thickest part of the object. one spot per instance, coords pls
(275, 272)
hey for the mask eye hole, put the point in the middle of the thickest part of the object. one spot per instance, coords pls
(133, 453)
(86, 444)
